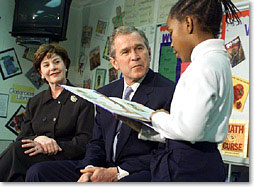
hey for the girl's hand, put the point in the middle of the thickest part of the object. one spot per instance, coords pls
(131, 123)
(35, 147)
(48, 145)
(160, 110)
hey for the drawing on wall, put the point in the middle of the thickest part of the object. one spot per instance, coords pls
(87, 83)
(94, 57)
(235, 51)
(100, 77)
(29, 53)
(9, 64)
(113, 74)
(14, 124)
(118, 19)
(101, 28)
(35, 78)
(82, 64)
(106, 54)
(241, 90)
(4, 99)
(86, 36)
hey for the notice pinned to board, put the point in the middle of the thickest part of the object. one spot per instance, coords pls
(139, 12)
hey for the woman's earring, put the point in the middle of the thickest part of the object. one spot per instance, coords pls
(42, 77)
(66, 70)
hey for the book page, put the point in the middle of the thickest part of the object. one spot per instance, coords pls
(114, 105)
(135, 108)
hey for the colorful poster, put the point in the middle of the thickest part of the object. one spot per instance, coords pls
(165, 60)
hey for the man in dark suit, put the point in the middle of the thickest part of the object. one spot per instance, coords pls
(128, 158)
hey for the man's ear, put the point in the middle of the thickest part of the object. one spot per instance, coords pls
(150, 54)
(189, 24)
(114, 63)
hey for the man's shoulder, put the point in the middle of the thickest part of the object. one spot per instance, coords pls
(108, 88)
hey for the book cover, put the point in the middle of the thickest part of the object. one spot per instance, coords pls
(114, 105)
(236, 142)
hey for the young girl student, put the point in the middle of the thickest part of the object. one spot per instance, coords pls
(202, 102)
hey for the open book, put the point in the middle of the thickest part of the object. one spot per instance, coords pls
(114, 105)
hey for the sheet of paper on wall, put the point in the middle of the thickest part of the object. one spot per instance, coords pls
(114, 105)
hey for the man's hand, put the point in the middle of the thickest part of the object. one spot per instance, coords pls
(99, 174)
(85, 177)
(130, 122)
(49, 145)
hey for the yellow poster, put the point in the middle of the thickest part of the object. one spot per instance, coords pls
(241, 90)
(21, 93)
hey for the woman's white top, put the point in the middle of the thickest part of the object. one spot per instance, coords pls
(203, 98)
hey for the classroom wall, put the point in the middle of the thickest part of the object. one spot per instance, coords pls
(72, 44)
(79, 17)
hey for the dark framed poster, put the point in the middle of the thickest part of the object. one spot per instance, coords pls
(35, 78)
(14, 124)
(9, 64)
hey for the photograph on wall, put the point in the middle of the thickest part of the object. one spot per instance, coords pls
(86, 36)
(100, 77)
(29, 53)
(35, 78)
(14, 124)
(241, 90)
(106, 54)
(9, 64)
(235, 51)
(4, 99)
(82, 64)
(113, 74)
(87, 83)
(101, 27)
(94, 57)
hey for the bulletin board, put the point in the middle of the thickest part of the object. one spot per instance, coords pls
(237, 44)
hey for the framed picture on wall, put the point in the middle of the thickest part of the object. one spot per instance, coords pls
(14, 124)
(29, 53)
(100, 77)
(9, 64)
(35, 78)
(4, 99)
(106, 54)
(94, 57)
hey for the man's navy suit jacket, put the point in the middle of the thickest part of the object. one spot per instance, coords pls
(133, 154)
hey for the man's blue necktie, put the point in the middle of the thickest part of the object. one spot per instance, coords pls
(126, 96)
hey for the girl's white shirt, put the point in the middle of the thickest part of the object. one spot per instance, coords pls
(203, 98)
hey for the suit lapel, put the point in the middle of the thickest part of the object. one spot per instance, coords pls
(140, 96)
(117, 92)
